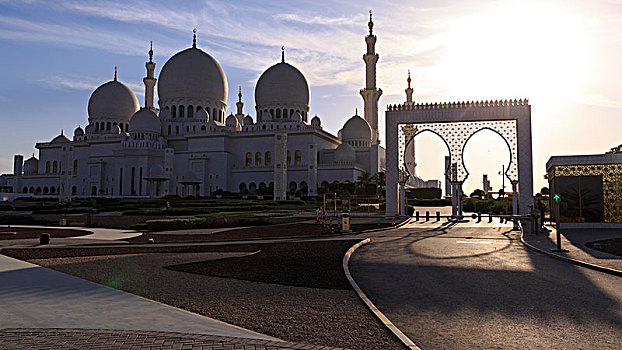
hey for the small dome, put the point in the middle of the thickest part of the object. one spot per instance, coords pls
(248, 120)
(31, 166)
(231, 121)
(78, 132)
(156, 170)
(282, 84)
(356, 128)
(90, 129)
(192, 74)
(145, 121)
(115, 129)
(202, 115)
(60, 139)
(113, 101)
(345, 154)
(315, 121)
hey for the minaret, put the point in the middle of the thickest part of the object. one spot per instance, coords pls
(370, 93)
(240, 104)
(150, 80)
(409, 91)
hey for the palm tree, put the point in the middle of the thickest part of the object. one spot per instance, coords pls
(380, 179)
(363, 180)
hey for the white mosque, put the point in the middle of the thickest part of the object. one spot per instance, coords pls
(187, 146)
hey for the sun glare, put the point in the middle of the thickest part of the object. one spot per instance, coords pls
(531, 51)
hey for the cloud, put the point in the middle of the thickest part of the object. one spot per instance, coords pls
(83, 83)
(596, 100)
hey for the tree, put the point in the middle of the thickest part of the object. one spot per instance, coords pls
(362, 180)
(478, 193)
(380, 179)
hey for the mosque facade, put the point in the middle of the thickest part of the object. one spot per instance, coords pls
(187, 146)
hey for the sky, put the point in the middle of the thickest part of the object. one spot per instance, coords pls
(562, 55)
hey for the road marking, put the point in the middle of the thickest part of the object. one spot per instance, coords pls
(475, 242)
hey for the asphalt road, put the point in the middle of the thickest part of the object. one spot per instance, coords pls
(475, 286)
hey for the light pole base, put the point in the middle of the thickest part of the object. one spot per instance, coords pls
(559, 250)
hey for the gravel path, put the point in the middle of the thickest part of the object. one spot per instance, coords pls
(328, 317)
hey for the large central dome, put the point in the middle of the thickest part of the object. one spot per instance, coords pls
(282, 84)
(192, 74)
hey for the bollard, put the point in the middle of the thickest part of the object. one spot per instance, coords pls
(44, 238)
(427, 216)
(479, 216)
(489, 217)
(438, 216)
(417, 216)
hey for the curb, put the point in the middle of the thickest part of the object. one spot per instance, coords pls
(385, 321)
(570, 260)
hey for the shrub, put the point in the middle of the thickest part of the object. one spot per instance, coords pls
(430, 202)
(424, 193)
(173, 224)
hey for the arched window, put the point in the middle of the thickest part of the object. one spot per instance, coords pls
(45, 190)
(203, 128)
(252, 187)
(304, 188)
(278, 114)
(243, 189)
(54, 167)
(258, 159)
(169, 129)
(285, 114)
(272, 113)
(199, 108)
(289, 158)
(93, 191)
(260, 115)
(181, 111)
(75, 166)
(190, 111)
(291, 111)
(268, 160)
(108, 126)
(52, 190)
(74, 190)
(173, 112)
(97, 126)
(292, 187)
(215, 115)
(297, 158)
(102, 126)
(249, 159)
(47, 167)
(31, 190)
(38, 190)
(177, 130)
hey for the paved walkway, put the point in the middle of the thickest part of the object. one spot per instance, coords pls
(574, 241)
(115, 339)
(105, 234)
(35, 297)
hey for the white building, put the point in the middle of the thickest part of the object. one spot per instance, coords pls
(186, 145)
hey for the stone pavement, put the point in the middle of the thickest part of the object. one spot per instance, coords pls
(35, 297)
(118, 339)
(574, 241)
